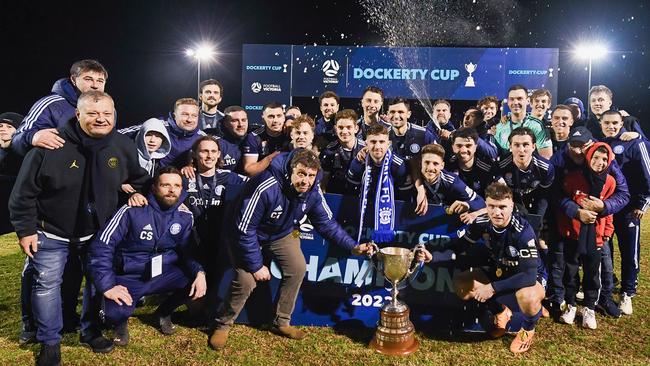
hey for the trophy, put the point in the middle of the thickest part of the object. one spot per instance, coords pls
(470, 68)
(394, 335)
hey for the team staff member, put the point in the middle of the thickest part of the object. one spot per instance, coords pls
(210, 95)
(60, 199)
(634, 160)
(265, 224)
(511, 265)
(337, 155)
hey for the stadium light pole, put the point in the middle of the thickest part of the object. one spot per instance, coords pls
(202, 53)
(591, 52)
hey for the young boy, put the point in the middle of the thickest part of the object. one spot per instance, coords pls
(584, 237)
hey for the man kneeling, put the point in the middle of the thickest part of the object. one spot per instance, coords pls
(512, 265)
(144, 251)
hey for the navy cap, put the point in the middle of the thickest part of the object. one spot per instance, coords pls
(581, 135)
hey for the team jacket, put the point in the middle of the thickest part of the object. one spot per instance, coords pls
(51, 111)
(630, 123)
(207, 121)
(512, 254)
(325, 129)
(576, 187)
(478, 177)
(135, 235)
(363, 127)
(335, 160)
(271, 209)
(48, 188)
(399, 170)
(563, 164)
(450, 188)
(528, 185)
(634, 160)
(259, 143)
(409, 145)
(181, 142)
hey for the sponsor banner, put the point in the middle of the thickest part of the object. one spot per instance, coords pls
(426, 72)
(342, 289)
(266, 77)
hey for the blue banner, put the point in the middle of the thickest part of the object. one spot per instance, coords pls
(339, 288)
(415, 73)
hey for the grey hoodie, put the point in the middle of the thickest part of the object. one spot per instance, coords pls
(149, 161)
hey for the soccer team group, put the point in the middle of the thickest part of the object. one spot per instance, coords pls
(145, 210)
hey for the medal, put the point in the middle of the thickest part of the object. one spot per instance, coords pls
(498, 272)
(296, 233)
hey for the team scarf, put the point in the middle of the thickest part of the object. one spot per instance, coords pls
(384, 201)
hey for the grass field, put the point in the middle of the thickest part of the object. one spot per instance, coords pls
(617, 341)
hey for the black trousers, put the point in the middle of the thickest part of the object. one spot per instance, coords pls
(591, 277)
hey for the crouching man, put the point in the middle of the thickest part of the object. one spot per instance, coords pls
(510, 265)
(144, 251)
(266, 225)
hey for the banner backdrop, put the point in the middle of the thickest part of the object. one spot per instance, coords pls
(339, 288)
(279, 72)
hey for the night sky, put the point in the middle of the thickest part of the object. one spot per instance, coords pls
(142, 43)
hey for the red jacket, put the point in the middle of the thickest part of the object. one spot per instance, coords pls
(576, 186)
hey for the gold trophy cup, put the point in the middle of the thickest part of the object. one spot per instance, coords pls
(394, 335)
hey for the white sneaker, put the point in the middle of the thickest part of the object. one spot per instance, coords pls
(626, 304)
(569, 315)
(580, 295)
(588, 318)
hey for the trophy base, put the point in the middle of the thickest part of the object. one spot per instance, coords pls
(395, 332)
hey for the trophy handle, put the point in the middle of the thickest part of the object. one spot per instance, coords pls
(416, 264)
(375, 256)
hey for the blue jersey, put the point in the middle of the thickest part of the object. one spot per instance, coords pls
(363, 127)
(335, 161)
(633, 158)
(260, 144)
(478, 177)
(398, 170)
(211, 121)
(449, 188)
(326, 129)
(434, 130)
(409, 145)
(231, 155)
(512, 260)
(531, 185)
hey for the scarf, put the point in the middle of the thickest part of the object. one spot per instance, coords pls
(384, 201)
(587, 236)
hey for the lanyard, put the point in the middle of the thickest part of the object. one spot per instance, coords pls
(207, 201)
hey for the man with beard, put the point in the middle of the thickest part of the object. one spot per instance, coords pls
(336, 157)
(263, 144)
(442, 127)
(210, 95)
(144, 251)
(406, 140)
(372, 101)
(265, 226)
(39, 128)
(60, 200)
(632, 156)
(517, 101)
(328, 103)
(234, 127)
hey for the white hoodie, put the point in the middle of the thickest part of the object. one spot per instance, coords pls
(149, 161)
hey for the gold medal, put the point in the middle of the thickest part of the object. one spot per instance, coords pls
(448, 211)
(296, 233)
(498, 272)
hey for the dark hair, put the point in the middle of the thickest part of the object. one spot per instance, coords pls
(563, 107)
(294, 107)
(165, 170)
(612, 112)
(204, 83)
(575, 111)
(465, 133)
(328, 94)
(487, 100)
(442, 101)
(541, 92)
(522, 131)
(476, 113)
(195, 150)
(377, 129)
(305, 157)
(399, 100)
(498, 191)
(433, 149)
(233, 108)
(373, 89)
(602, 150)
(87, 65)
(271, 105)
(303, 118)
(517, 87)
(347, 114)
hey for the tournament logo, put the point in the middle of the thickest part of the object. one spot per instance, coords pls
(256, 87)
(470, 68)
(175, 228)
(112, 162)
(330, 70)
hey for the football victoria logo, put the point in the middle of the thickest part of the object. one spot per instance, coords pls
(256, 87)
(330, 70)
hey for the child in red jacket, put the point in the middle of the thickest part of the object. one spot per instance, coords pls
(583, 239)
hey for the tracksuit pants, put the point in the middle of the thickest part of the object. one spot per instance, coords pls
(591, 277)
(628, 233)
